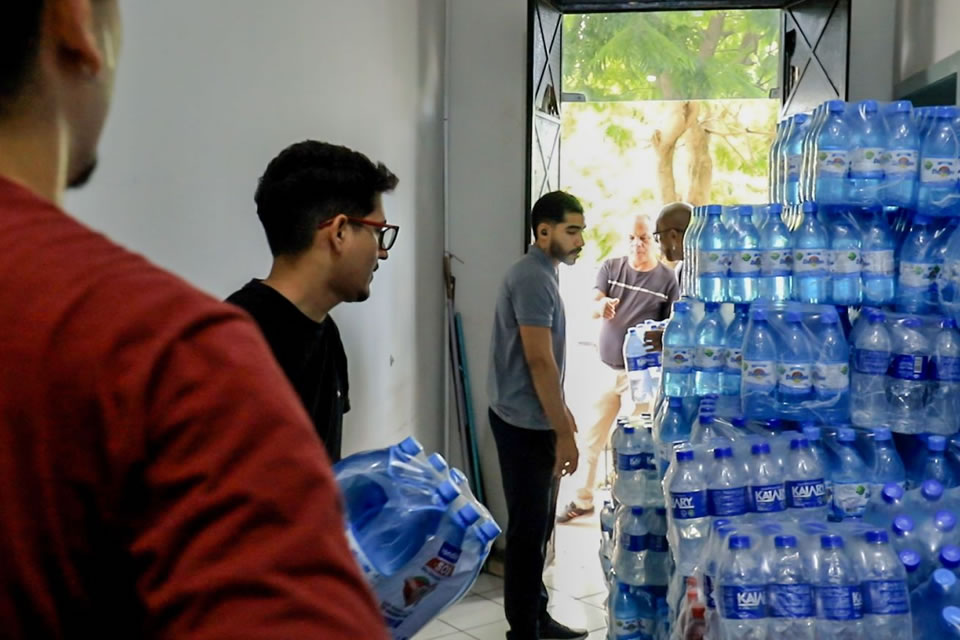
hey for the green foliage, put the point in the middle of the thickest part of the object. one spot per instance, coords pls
(621, 136)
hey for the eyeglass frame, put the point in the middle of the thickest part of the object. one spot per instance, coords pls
(381, 227)
(656, 234)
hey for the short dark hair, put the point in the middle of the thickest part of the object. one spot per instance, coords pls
(19, 42)
(552, 207)
(310, 182)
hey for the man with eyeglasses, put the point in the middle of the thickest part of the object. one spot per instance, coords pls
(629, 289)
(322, 210)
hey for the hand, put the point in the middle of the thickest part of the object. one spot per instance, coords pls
(654, 339)
(609, 308)
(567, 455)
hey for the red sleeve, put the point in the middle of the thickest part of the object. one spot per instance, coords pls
(244, 533)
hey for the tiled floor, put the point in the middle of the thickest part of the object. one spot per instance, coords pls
(576, 587)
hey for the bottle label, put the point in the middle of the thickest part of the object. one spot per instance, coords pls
(689, 504)
(845, 261)
(908, 366)
(759, 374)
(745, 262)
(806, 494)
(709, 359)
(734, 360)
(886, 597)
(657, 544)
(678, 359)
(795, 378)
(768, 498)
(776, 262)
(794, 162)
(902, 161)
(868, 162)
(918, 274)
(727, 502)
(850, 499)
(633, 628)
(945, 368)
(833, 163)
(938, 170)
(840, 602)
(633, 543)
(809, 261)
(877, 263)
(951, 272)
(636, 363)
(653, 360)
(874, 363)
(635, 461)
(834, 376)
(744, 602)
(790, 600)
(713, 262)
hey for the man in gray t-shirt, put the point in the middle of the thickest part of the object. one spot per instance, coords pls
(629, 289)
(532, 426)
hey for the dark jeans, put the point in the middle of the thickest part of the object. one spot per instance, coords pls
(526, 464)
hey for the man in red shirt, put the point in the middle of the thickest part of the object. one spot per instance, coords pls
(158, 476)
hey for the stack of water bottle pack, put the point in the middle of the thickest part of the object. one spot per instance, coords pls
(415, 529)
(642, 361)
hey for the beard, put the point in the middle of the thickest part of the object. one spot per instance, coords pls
(557, 252)
(82, 177)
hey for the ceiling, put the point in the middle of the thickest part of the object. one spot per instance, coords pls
(593, 6)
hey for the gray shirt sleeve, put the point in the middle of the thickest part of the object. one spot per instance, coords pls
(533, 300)
(603, 278)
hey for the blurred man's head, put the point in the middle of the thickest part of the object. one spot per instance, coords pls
(557, 223)
(672, 223)
(642, 253)
(58, 60)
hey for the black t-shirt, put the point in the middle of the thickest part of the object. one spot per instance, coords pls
(310, 353)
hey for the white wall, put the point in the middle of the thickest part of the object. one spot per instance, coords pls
(872, 58)
(927, 33)
(210, 91)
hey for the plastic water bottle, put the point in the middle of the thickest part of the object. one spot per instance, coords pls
(688, 499)
(871, 359)
(905, 533)
(938, 164)
(759, 366)
(910, 560)
(674, 429)
(678, 352)
(887, 466)
(790, 592)
(945, 375)
(907, 380)
(628, 555)
(633, 458)
(845, 262)
(948, 282)
(652, 490)
(607, 521)
(831, 371)
(903, 157)
(776, 257)
(709, 360)
(794, 157)
(851, 479)
(635, 361)
(928, 501)
(838, 594)
(722, 530)
(877, 272)
(935, 532)
(733, 349)
(805, 486)
(868, 161)
(936, 467)
(743, 585)
(774, 167)
(882, 511)
(938, 256)
(810, 258)
(726, 487)
(744, 252)
(918, 270)
(795, 362)
(713, 257)
(630, 618)
(656, 566)
(950, 557)
(929, 600)
(884, 582)
(833, 156)
(767, 493)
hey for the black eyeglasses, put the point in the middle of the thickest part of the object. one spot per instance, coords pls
(386, 233)
(657, 234)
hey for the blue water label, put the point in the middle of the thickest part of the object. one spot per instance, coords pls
(678, 359)
(632, 542)
(689, 504)
(768, 498)
(945, 368)
(733, 363)
(635, 461)
(795, 378)
(636, 363)
(744, 602)
(657, 544)
(840, 602)
(871, 362)
(633, 628)
(727, 502)
(776, 262)
(709, 358)
(790, 600)
(810, 262)
(908, 366)
(886, 597)
(654, 360)
(449, 552)
(806, 494)
(759, 375)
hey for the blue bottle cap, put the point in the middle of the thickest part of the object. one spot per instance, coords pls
(490, 529)
(912, 322)
(722, 452)
(951, 616)
(800, 118)
(794, 317)
(719, 523)
(877, 536)
(684, 456)
(936, 443)
(812, 433)
(629, 428)
(714, 210)
(623, 587)
(799, 443)
(944, 520)
(876, 317)
(846, 434)
(892, 492)
(785, 542)
(725, 531)
(437, 462)
(901, 106)
(944, 578)
(759, 315)
(744, 210)
(681, 307)
(741, 308)
(950, 556)
(706, 419)
(457, 476)
(902, 525)
(410, 446)
(632, 331)
(738, 422)
(637, 511)
(710, 307)
(467, 514)
(739, 542)
(447, 492)
(774, 209)
(661, 511)
(910, 560)
(773, 424)
(831, 541)
(836, 106)
(881, 433)
(809, 207)
(869, 106)
(760, 448)
(948, 323)
(675, 402)
(931, 489)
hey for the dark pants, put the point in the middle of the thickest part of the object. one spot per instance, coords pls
(526, 464)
